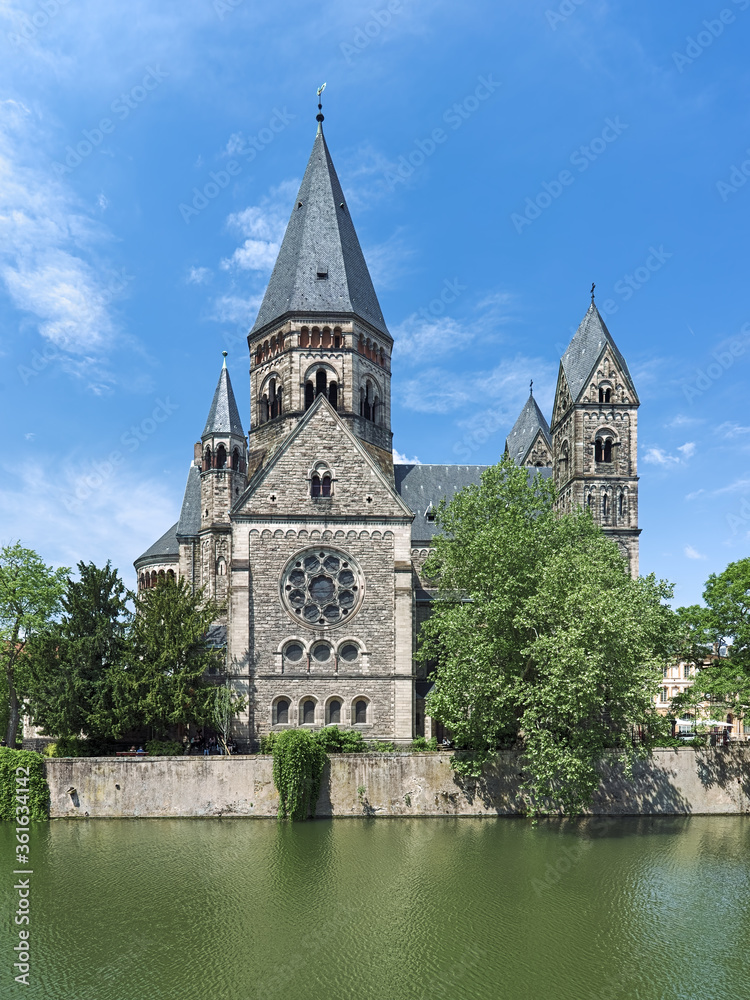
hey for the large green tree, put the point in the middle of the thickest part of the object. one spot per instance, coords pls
(722, 626)
(542, 638)
(71, 662)
(30, 596)
(163, 682)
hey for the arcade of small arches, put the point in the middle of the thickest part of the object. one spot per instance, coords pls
(321, 481)
(613, 507)
(149, 580)
(219, 458)
(335, 710)
(319, 383)
(300, 656)
(271, 404)
(321, 337)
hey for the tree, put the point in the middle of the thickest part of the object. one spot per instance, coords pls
(30, 593)
(163, 681)
(225, 705)
(542, 638)
(71, 662)
(724, 623)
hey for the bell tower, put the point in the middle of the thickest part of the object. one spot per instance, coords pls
(320, 329)
(595, 434)
(223, 477)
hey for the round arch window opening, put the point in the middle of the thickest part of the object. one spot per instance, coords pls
(322, 587)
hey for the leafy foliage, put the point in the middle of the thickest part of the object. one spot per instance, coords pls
(30, 595)
(543, 639)
(421, 745)
(268, 742)
(73, 746)
(335, 740)
(164, 748)
(225, 705)
(298, 762)
(37, 790)
(162, 682)
(72, 661)
(705, 631)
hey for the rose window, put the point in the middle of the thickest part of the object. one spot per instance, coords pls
(322, 587)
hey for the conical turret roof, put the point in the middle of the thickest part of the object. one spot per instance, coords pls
(320, 267)
(224, 417)
(585, 349)
(530, 421)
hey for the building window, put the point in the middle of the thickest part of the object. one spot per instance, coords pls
(603, 449)
(360, 712)
(321, 482)
(221, 457)
(308, 712)
(349, 652)
(333, 395)
(294, 652)
(605, 395)
(321, 382)
(309, 394)
(281, 712)
(686, 671)
(207, 459)
(334, 712)
(663, 695)
(322, 652)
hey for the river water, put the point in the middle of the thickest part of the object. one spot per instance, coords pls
(406, 909)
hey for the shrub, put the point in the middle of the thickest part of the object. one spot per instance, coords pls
(421, 745)
(36, 790)
(335, 740)
(267, 742)
(74, 746)
(298, 762)
(164, 748)
(382, 747)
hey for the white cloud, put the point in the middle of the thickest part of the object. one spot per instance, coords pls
(657, 456)
(400, 459)
(729, 429)
(387, 262)
(680, 420)
(49, 249)
(118, 517)
(198, 275)
(263, 225)
(417, 338)
(692, 553)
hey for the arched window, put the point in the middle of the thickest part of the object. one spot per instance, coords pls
(337, 336)
(170, 575)
(308, 712)
(605, 395)
(264, 409)
(605, 505)
(272, 399)
(360, 712)
(376, 411)
(153, 578)
(221, 457)
(315, 486)
(304, 337)
(141, 582)
(333, 395)
(207, 459)
(161, 576)
(325, 486)
(334, 712)
(621, 505)
(603, 449)
(320, 382)
(315, 337)
(590, 501)
(367, 401)
(326, 336)
(221, 567)
(309, 395)
(236, 460)
(281, 712)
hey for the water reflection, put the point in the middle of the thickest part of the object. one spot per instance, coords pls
(434, 908)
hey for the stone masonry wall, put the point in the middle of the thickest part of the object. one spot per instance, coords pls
(672, 782)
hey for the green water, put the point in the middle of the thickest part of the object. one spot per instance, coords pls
(434, 908)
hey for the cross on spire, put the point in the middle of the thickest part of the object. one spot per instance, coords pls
(531, 387)
(319, 117)
(593, 286)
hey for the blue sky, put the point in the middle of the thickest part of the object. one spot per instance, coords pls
(577, 142)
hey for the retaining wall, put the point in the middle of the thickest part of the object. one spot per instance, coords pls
(671, 782)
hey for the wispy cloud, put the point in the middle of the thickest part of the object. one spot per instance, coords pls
(692, 553)
(729, 429)
(198, 275)
(658, 456)
(263, 227)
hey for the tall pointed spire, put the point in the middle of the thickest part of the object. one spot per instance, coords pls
(585, 349)
(224, 417)
(320, 267)
(531, 422)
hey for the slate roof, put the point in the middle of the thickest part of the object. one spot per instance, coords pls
(162, 550)
(319, 237)
(530, 421)
(424, 486)
(224, 417)
(585, 349)
(190, 514)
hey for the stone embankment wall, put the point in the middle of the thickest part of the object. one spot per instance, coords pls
(671, 782)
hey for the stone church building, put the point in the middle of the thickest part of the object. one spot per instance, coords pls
(304, 525)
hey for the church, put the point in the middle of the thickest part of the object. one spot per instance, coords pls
(306, 529)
